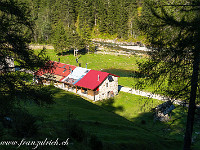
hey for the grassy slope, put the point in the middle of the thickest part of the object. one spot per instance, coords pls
(124, 104)
(114, 122)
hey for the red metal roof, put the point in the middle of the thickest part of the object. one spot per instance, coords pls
(56, 68)
(90, 80)
(39, 72)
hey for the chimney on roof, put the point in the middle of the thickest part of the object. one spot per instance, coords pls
(98, 77)
(70, 69)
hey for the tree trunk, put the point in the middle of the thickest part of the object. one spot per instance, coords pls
(74, 52)
(192, 104)
(95, 20)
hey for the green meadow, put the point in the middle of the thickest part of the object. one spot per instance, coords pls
(98, 61)
(125, 122)
(123, 66)
(122, 121)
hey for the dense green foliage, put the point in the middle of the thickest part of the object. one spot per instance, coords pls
(69, 24)
(14, 17)
(87, 17)
(172, 29)
(173, 33)
(16, 86)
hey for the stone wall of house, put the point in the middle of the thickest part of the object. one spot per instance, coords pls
(108, 88)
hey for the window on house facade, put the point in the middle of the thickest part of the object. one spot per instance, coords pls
(110, 78)
(106, 84)
(108, 94)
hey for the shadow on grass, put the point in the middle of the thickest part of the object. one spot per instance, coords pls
(125, 73)
(115, 131)
(108, 104)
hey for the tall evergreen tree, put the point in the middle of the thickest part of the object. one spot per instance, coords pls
(102, 16)
(77, 43)
(59, 38)
(172, 29)
(14, 21)
(122, 19)
(85, 13)
(105, 16)
(132, 16)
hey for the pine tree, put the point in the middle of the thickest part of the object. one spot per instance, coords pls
(102, 16)
(173, 31)
(112, 17)
(60, 38)
(14, 21)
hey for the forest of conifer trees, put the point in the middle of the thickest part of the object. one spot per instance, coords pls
(83, 18)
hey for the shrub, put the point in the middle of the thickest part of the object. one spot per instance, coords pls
(95, 143)
(76, 132)
(1, 129)
(24, 124)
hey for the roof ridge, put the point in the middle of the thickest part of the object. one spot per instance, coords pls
(62, 63)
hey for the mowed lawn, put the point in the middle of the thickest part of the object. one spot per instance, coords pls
(124, 66)
(117, 121)
(98, 61)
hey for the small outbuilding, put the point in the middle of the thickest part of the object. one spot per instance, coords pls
(163, 110)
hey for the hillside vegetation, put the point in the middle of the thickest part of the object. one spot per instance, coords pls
(35, 112)
(98, 19)
(118, 124)
(133, 108)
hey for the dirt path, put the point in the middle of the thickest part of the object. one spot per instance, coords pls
(41, 46)
(148, 94)
(116, 53)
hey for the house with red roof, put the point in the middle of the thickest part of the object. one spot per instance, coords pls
(53, 72)
(93, 84)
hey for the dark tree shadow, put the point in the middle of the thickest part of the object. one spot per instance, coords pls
(115, 131)
(125, 73)
(108, 105)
